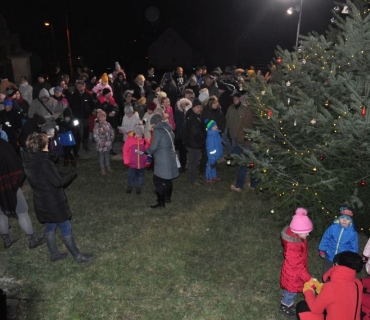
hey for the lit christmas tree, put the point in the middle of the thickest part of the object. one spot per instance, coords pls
(311, 143)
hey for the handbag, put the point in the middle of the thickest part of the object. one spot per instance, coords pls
(173, 149)
(66, 138)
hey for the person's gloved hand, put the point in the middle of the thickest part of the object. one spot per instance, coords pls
(309, 285)
(318, 285)
(322, 254)
(364, 259)
(127, 165)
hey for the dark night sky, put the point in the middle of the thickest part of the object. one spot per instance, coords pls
(227, 32)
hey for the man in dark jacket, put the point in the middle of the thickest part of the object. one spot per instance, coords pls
(194, 138)
(82, 105)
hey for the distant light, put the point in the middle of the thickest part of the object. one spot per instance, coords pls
(290, 10)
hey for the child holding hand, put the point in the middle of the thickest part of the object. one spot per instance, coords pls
(294, 272)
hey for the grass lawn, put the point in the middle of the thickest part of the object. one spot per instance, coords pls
(212, 254)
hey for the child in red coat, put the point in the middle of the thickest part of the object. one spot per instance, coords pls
(294, 272)
(135, 162)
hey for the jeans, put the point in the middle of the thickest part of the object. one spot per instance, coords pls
(242, 170)
(65, 227)
(135, 175)
(288, 298)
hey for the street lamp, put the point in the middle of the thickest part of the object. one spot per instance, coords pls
(298, 9)
(48, 24)
(69, 47)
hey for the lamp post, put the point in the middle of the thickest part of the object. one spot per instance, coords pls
(69, 47)
(298, 9)
(48, 24)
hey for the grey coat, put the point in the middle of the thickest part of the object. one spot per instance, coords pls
(52, 104)
(161, 149)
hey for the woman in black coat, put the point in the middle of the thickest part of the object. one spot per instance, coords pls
(49, 199)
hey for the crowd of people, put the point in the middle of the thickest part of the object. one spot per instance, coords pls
(174, 124)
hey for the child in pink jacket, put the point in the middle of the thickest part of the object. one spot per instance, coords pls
(135, 162)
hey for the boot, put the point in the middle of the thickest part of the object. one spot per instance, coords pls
(168, 194)
(55, 255)
(33, 241)
(129, 190)
(103, 171)
(138, 190)
(8, 240)
(160, 201)
(77, 255)
(109, 169)
(85, 144)
(289, 312)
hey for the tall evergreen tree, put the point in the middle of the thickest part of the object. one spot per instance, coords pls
(311, 143)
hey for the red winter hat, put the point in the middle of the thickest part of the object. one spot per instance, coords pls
(151, 106)
(300, 222)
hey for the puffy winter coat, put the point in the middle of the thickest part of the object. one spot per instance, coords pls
(340, 297)
(129, 155)
(213, 146)
(103, 135)
(294, 272)
(337, 239)
(49, 198)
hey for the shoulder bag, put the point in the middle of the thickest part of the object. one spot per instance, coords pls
(173, 149)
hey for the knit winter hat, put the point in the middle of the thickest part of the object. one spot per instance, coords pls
(105, 91)
(151, 106)
(346, 211)
(210, 124)
(300, 222)
(101, 113)
(141, 101)
(11, 91)
(156, 119)
(104, 78)
(131, 92)
(203, 94)
(58, 89)
(197, 102)
(129, 110)
(159, 111)
(161, 95)
(117, 65)
(139, 129)
(8, 102)
(349, 259)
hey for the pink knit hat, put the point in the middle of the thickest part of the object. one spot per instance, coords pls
(300, 222)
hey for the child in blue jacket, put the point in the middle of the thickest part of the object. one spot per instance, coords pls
(214, 150)
(340, 236)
